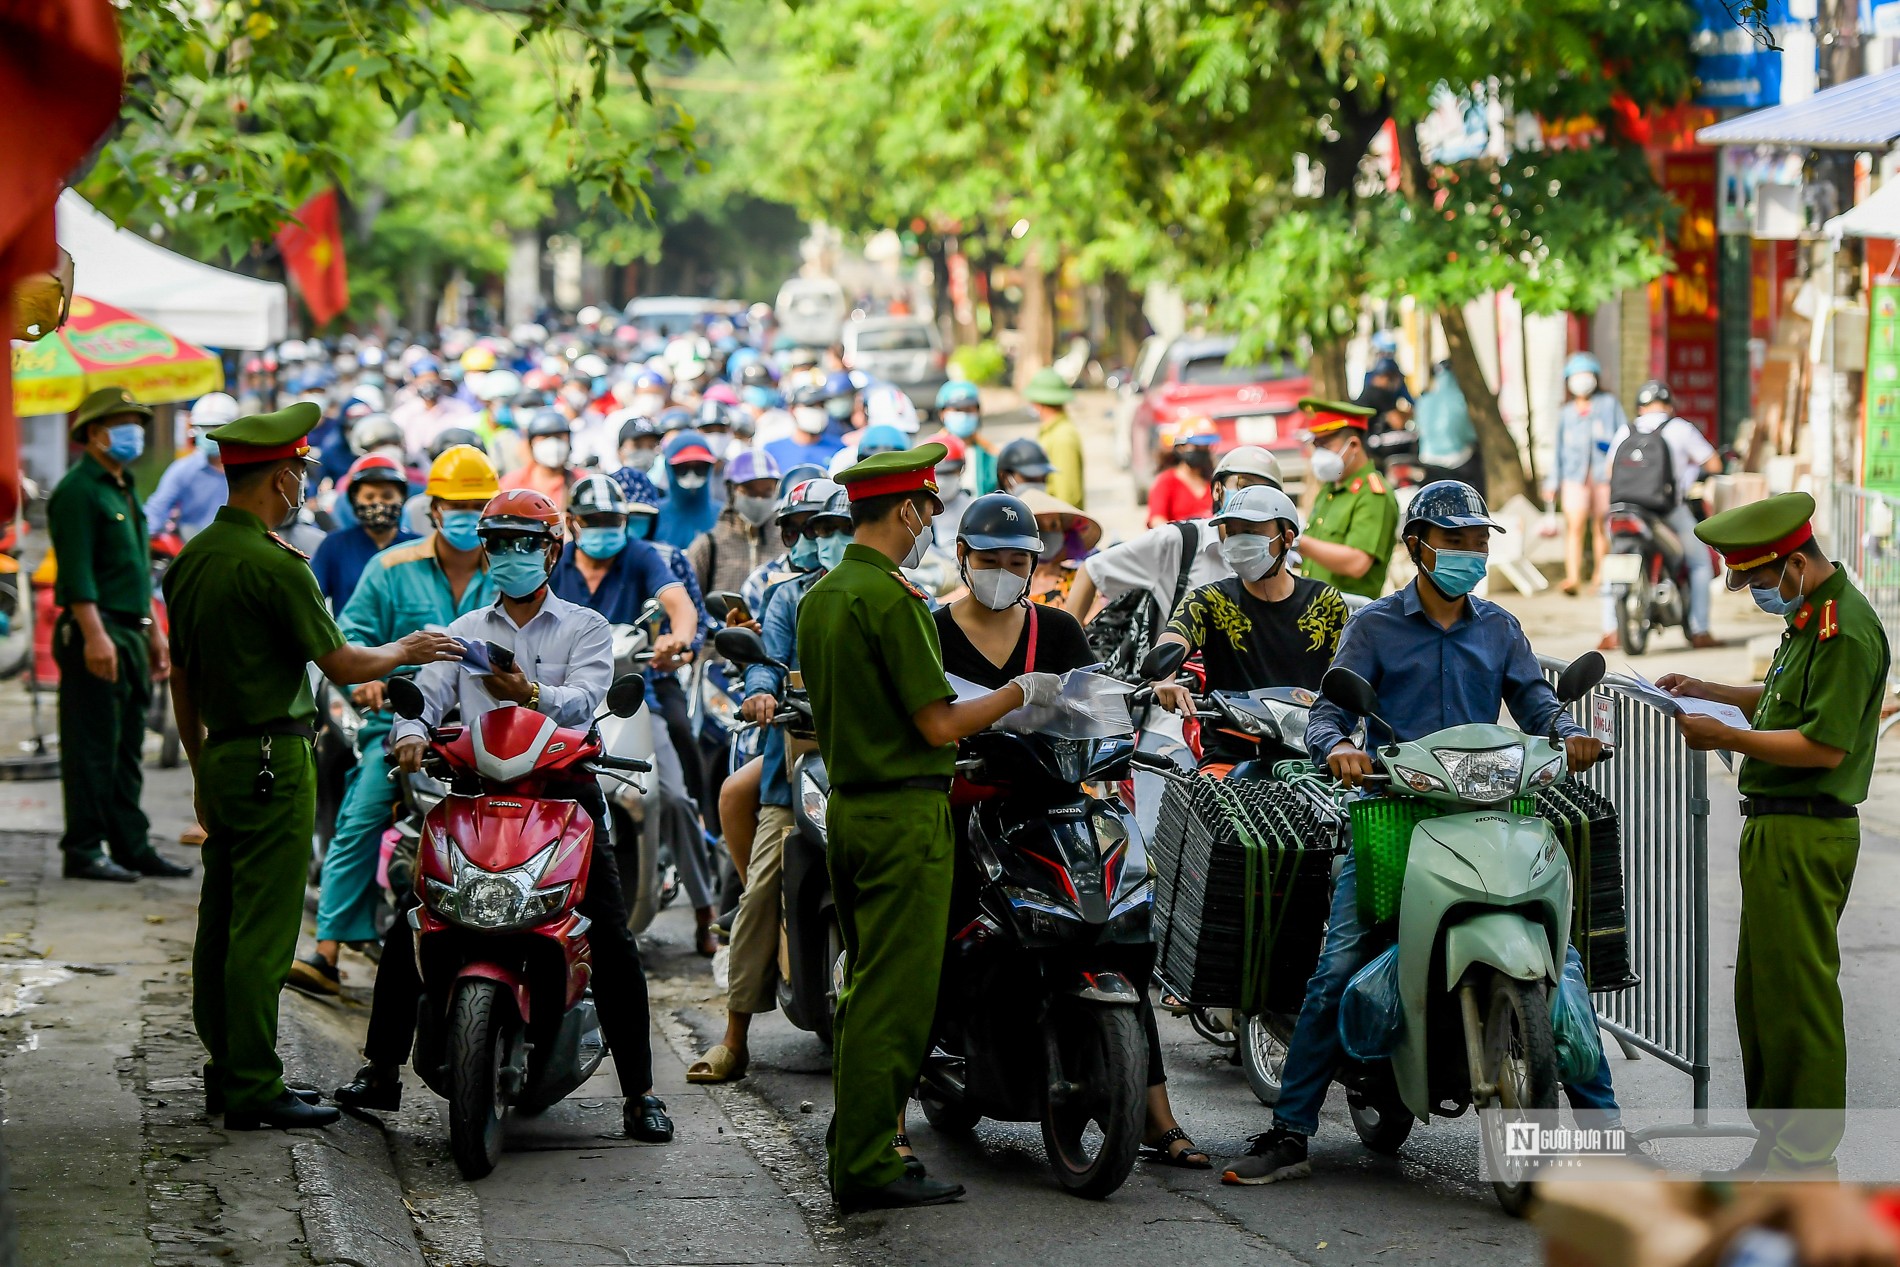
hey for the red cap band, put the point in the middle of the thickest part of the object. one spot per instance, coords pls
(1326, 420)
(232, 453)
(918, 481)
(1750, 557)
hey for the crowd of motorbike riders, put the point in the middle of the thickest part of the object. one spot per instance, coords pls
(681, 484)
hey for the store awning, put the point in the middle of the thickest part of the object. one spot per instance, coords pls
(198, 303)
(1877, 217)
(1858, 115)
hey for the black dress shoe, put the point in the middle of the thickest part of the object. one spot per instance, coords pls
(377, 1087)
(157, 864)
(98, 867)
(646, 1120)
(286, 1112)
(214, 1096)
(911, 1190)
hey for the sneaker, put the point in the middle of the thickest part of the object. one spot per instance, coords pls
(313, 974)
(1277, 1155)
(1609, 642)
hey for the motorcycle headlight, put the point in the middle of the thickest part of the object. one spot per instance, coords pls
(719, 707)
(1418, 780)
(1483, 775)
(811, 798)
(1549, 772)
(1070, 758)
(495, 900)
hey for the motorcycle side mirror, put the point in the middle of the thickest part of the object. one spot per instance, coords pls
(1164, 660)
(1353, 693)
(627, 694)
(1580, 676)
(405, 697)
(742, 647)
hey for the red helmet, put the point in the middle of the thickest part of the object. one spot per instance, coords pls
(522, 510)
(374, 468)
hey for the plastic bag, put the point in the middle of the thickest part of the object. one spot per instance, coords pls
(1090, 705)
(1574, 1022)
(1371, 1015)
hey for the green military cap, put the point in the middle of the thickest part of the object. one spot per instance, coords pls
(1323, 417)
(1047, 388)
(906, 471)
(107, 402)
(1760, 533)
(267, 437)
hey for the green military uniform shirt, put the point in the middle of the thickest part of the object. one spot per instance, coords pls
(870, 658)
(1360, 511)
(246, 616)
(98, 532)
(1827, 681)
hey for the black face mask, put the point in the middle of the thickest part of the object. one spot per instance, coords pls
(379, 516)
(429, 391)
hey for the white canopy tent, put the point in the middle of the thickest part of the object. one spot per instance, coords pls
(1877, 217)
(196, 302)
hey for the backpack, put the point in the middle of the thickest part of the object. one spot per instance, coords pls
(1643, 472)
(1122, 634)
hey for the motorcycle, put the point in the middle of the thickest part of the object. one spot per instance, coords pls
(1038, 1014)
(506, 1020)
(633, 806)
(339, 722)
(1483, 927)
(1647, 570)
(811, 950)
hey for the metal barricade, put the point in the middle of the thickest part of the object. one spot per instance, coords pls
(1660, 789)
(1865, 539)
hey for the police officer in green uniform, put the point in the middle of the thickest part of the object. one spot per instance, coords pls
(246, 618)
(887, 724)
(1354, 525)
(1806, 764)
(105, 644)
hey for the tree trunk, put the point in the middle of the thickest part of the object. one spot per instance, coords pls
(1036, 323)
(1127, 327)
(1328, 371)
(1503, 469)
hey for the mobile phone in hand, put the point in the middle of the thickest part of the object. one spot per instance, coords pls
(501, 657)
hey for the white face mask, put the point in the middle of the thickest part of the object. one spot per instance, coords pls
(690, 482)
(641, 459)
(995, 588)
(648, 405)
(1251, 556)
(754, 510)
(1328, 466)
(717, 442)
(920, 540)
(550, 451)
(811, 419)
(949, 481)
(1581, 385)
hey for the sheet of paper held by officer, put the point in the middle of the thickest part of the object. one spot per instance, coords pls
(1091, 705)
(1677, 705)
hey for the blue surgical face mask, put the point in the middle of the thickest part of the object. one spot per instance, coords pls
(831, 549)
(1769, 599)
(505, 415)
(518, 575)
(125, 442)
(1457, 572)
(804, 555)
(640, 527)
(206, 445)
(603, 543)
(960, 424)
(460, 528)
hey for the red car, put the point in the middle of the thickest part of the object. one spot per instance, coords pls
(1251, 404)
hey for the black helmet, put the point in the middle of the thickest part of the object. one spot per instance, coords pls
(810, 394)
(755, 374)
(636, 428)
(374, 431)
(449, 437)
(549, 422)
(1654, 391)
(1024, 457)
(1448, 504)
(713, 413)
(675, 419)
(998, 521)
(597, 495)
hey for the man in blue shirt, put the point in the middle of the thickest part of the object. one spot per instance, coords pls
(1438, 657)
(193, 487)
(375, 488)
(421, 584)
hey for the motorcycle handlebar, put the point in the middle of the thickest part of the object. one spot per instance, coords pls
(607, 762)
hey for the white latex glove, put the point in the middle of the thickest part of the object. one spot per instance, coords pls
(1039, 689)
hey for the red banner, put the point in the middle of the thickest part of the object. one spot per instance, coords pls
(1690, 359)
(313, 252)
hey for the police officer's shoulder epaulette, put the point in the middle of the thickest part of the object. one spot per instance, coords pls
(1378, 485)
(1802, 617)
(915, 593)
(1830, 622)
(293, 549)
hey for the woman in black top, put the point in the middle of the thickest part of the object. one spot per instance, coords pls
(991, 635)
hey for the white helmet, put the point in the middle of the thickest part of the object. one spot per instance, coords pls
(1250, 459)
(1257, 504)
(213, 409)
(888, 406)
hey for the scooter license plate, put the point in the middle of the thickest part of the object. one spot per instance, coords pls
(1623, 569)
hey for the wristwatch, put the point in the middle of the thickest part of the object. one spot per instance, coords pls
(534, 695)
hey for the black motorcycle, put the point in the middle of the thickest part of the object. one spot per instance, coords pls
(1647, 570)
(1037, 1015)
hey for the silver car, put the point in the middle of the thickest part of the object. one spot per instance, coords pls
(903, 351)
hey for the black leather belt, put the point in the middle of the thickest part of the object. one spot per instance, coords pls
(125, 620)
(1805, 806)
(922, 783)
(290, 729)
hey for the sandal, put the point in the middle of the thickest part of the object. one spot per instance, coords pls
(1172, 1005)
(721, 1064)
(913, 1164)
(1186, 1159)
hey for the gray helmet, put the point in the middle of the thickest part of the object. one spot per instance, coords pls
(374, 431)
(597, 495)
(549, 422)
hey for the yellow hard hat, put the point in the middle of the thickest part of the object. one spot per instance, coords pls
(478, 360)
(463, 474)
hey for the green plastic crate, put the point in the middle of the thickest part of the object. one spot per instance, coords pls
(1382, 840)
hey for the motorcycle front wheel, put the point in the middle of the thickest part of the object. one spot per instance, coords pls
(481, 1029)
(637, 851)
(1632, 619)
(1263, 1047)
(1520, 1060)
(1096, 1104)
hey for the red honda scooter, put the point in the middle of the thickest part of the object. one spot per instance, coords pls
(507, 1019)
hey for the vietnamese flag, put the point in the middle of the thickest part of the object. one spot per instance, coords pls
(313, 252)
